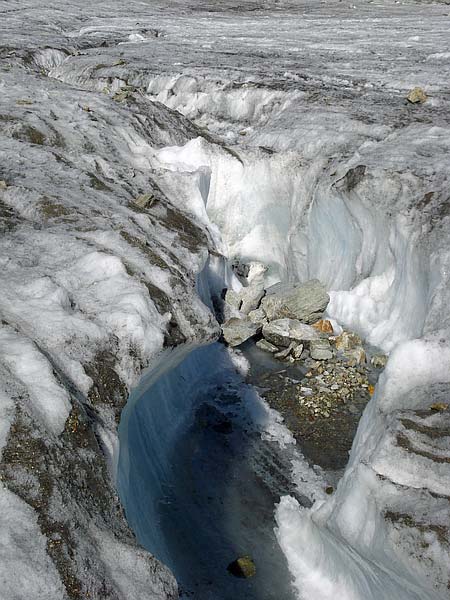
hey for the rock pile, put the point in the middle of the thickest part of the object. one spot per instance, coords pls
(281, 315)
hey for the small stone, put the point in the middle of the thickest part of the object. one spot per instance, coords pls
(242, 567)
(439, 406)
(144, 200)
(320, 349)
(266, 346)
(3, 185)
(329, 490)
(416, 96)
(324, 326)
(251, 297)
(379, 361)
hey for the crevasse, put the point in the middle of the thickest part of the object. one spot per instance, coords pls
(356, 229)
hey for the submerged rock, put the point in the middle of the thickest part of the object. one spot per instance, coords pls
(282, 332)
(237, 331)
(242, 567)
(305, 302)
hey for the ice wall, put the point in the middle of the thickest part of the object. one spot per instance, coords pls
(359, 227)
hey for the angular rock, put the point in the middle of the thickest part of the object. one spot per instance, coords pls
(355, 356)
(266, 346)
(272, 306)
(251, 298)
(285, 353)
(324, 326)
(144, 200)
(233, 299)
(305, 302)
(320, 349)
(237, 331)
(416, 96)
(297, 351)
(282, 332)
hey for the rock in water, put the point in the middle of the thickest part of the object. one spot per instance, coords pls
(242, 567)
(266, 346)
(282, 332)
(416, 96)
(320, 349)
(237, 331)
(305, 302)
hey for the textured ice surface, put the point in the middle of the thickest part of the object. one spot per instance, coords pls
(322, 170)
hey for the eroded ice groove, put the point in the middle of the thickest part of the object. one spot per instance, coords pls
(203, 461)
(353, 184)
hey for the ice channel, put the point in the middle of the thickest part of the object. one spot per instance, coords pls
(359, 235)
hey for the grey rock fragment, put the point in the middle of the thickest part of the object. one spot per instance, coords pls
(237, 331)
(257, 316)
(266, 346)
(282, 332)
(251, 297)
(303, 301)
(233, 299)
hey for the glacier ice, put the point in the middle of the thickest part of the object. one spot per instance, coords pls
(300, 152)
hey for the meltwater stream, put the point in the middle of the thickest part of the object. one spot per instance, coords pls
(198, 480)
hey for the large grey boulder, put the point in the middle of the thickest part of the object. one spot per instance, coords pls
(305, 302)
(282, 332)
(237, 331)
